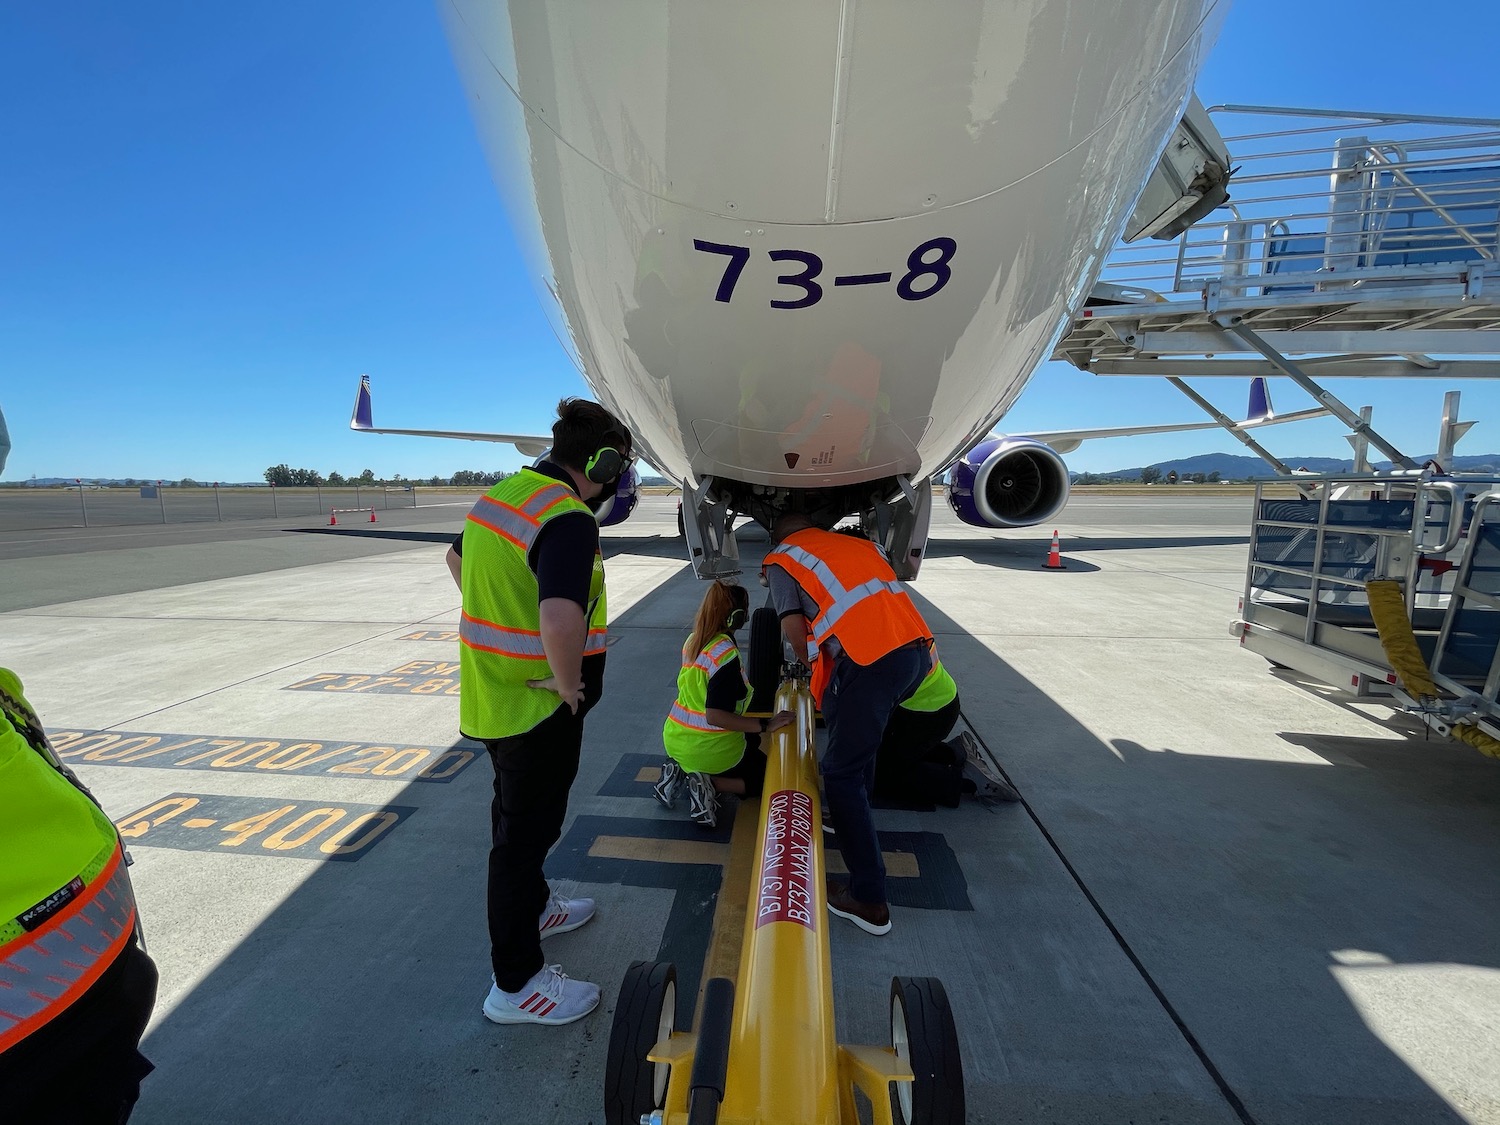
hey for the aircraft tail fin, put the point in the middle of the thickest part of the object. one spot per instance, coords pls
(1259, 409)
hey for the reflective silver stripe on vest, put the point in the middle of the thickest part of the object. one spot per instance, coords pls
(713, 656)
(516, 527)
(842, 600)
(696, 720)
(829, 618)
(43, 970)
(544, 498)
(520, 524)
(496, 638)
(517, 642)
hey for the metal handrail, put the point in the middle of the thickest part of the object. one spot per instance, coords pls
(1455, 517)
(1315, 571)
(1461, 594)
(1377, 181)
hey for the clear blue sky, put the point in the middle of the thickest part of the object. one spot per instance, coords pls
(215, 217)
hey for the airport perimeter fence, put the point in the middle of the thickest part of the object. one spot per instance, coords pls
(34, 509)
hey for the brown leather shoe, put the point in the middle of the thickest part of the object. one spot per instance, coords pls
(872, 917)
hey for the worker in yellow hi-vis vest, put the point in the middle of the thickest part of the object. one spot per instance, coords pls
(76, 986)
(531, 665)
(712, 747)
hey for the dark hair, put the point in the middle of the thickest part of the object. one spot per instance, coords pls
(582, 428)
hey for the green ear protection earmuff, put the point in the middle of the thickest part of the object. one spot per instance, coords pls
(604, 466)
(736, 619)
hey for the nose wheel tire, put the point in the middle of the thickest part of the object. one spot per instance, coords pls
(923, 1034)
(765, 658)
(645, 1014)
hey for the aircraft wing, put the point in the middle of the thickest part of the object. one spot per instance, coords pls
(532, 445)
(1258, 414)
(1073, 438)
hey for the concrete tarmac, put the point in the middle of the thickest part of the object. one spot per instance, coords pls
(1224, 898)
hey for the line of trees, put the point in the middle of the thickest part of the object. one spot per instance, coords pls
(1151, 475)
(284, 476)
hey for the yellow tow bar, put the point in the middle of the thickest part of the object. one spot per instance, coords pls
(764, 1052)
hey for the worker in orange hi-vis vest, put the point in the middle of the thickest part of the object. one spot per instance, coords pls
(841, 591)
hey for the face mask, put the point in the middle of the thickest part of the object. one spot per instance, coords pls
(606, 494)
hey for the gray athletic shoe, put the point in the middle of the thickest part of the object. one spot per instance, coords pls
(670, 786)
(703, 800)
(986, 778)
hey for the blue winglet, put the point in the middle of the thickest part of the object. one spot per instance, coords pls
(362, 419)
(1260, 401)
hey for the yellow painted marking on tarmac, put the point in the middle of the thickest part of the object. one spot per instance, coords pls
(898, 865)
(199, 822)
(660, 851)
(648, 773)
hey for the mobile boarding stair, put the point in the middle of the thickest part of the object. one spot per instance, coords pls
(1310, 245)
(1316, 244)
(1387, 587)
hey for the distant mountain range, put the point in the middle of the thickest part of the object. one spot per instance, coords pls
(1230, 466)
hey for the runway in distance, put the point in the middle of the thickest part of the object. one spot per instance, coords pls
(814, 257)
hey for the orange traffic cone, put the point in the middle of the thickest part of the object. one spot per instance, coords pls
(372, 515)
(1054, 556)
(333, 520)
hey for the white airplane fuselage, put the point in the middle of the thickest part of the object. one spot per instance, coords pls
(813, 245)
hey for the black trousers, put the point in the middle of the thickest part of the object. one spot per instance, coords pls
(83, 1067)
(533, 774)
(751, 768)
(912, 767)
(857, 706)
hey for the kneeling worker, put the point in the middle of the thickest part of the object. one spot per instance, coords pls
(915, 766)
(712, 748)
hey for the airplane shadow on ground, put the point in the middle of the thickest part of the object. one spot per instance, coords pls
(368, 531)
(656, 546)
(361, 987)
(653, 546)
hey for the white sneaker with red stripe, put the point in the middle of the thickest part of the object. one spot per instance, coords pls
(564, 914)
(549, 997)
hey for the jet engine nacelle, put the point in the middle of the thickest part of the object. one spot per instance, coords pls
(617, 508)
(1008, 482)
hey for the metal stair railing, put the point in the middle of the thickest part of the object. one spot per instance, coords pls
(1319, 553)
(1466, 662)
(1322, 201)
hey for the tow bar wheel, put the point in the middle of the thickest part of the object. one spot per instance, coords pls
(645, 1014)
(924, 1036)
